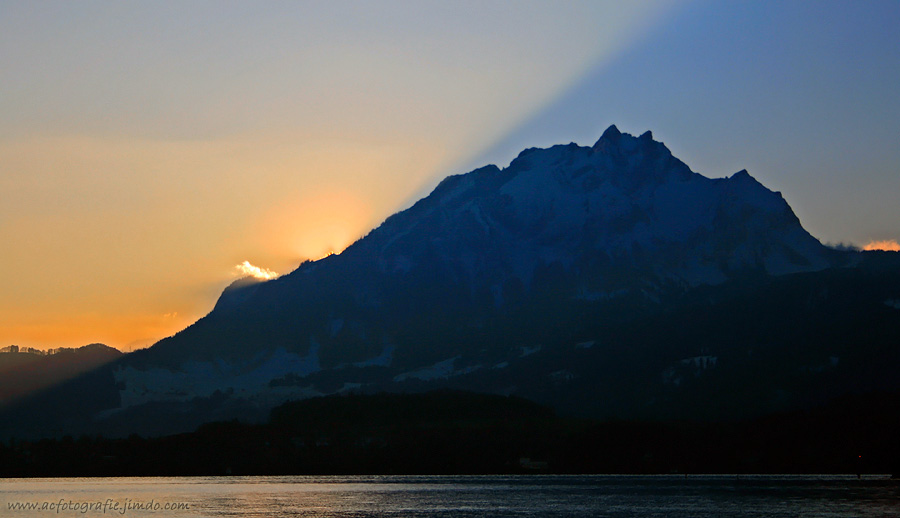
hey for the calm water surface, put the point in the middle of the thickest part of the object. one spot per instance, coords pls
(452, 496)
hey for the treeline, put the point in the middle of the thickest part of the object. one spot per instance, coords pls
(466, 433)
(15, 349)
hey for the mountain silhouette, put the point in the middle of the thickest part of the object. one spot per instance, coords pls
(606, 281)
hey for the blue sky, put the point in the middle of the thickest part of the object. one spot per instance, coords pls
(802, 94)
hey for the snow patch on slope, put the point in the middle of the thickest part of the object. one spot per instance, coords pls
(441, 370)
(202, 379)
(382, 360)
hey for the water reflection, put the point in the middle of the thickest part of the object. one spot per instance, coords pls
(432, 496)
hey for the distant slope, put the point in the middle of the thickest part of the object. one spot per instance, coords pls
(24, 373)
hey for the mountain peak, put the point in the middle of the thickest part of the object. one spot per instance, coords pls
(743, 177)
(615, 142)
(611, 132)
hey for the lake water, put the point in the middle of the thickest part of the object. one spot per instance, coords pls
(454, 496)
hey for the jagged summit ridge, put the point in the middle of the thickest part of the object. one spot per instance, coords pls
(625, 198)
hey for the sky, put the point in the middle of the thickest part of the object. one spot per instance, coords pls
(153, 152)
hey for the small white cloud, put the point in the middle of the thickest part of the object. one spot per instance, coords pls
(890, 245)
(245, 269)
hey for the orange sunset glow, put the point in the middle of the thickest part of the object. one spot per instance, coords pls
(887, 246)
(108, 257)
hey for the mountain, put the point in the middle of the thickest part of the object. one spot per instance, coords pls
(622, 215)
(24, 371)
(606, 281)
